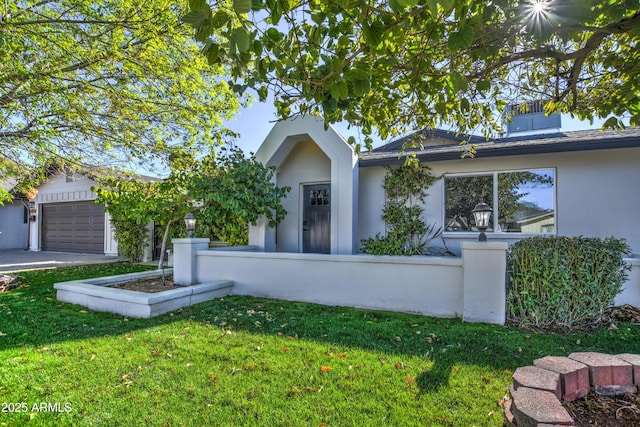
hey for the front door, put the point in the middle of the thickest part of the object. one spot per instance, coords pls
(316, 222)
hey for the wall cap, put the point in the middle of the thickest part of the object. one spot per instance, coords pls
(190, 240)
(479, 246)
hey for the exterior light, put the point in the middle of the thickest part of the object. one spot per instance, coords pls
(482, 214)
(190, 221)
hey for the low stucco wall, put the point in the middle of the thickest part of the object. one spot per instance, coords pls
(425, 285)
(631, 288)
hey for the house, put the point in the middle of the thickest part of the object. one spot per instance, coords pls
(61, 217)
(558, 183)
(14, 220)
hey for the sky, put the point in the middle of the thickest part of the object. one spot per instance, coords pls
(254, 123)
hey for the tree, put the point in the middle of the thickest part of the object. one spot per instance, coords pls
(225, 194)
(104, 83)
(233, 192)
(398, 65)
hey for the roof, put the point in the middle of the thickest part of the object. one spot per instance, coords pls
(583, 140)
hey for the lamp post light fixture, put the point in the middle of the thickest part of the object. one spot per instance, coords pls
(482, 214)
(190, 221)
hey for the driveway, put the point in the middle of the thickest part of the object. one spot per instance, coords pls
(21, 260)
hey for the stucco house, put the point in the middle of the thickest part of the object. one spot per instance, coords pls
(558, 183)
(14, 220)
(62, 217)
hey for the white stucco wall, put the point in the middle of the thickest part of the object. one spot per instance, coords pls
(13, 229)
(305, 164)
(596, 193)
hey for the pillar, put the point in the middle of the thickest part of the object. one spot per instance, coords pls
(484, 290)
(185, 260)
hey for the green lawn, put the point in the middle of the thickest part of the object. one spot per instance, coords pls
(252, 361)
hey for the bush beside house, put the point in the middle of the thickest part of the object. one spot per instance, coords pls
(562, 282)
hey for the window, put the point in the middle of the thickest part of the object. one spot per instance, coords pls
(522, 201)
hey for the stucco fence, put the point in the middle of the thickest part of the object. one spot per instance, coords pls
(471, 287)
(631, 288)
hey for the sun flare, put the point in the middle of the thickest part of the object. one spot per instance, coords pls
(538, 14)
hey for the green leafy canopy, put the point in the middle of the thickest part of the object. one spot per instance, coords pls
(399, 65)
(120, 84)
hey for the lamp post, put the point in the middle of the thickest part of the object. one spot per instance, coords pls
(190, 221)
(482, 214)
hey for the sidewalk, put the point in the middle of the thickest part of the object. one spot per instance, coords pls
(21, 260)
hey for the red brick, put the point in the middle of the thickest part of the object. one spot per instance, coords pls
(538, 378)
(531, 407)
(508, 415)
(634, 360)
(605, 369)
(574, 376)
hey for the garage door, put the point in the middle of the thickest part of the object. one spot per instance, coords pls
(72, 227)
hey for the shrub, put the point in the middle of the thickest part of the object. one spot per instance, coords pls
(407, 232)
(131, 237)
(562, 282)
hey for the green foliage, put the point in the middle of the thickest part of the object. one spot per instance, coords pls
(407, 232)
(132, 205)
(400, 65)
(234, 191)
(226, 194)
(105, 83)
(132, 238)
(564, 282)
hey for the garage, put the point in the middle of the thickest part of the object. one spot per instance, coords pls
(72, 227)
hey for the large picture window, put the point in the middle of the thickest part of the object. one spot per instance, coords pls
(522, 201)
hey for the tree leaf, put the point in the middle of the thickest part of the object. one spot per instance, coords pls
(433, 7)
(361, 87)
(461, 39)
(408, 3)
(196, 17)
(242, 6)
(220, 19)
(241, 39)
(483, 85)
(373, 33)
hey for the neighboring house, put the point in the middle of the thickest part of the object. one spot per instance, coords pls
(67, 220)
(560, 183)
(62, 217)
(14, 221)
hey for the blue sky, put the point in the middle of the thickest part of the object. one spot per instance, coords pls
(254, 123)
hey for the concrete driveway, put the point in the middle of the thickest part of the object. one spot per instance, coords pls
(21, 260)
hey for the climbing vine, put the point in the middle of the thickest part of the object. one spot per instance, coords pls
(407, 233)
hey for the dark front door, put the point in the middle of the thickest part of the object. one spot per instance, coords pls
(316, 222)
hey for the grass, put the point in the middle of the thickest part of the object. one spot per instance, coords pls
(251, 361)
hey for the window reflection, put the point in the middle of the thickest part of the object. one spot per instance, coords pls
(525, 201)
(462, 194)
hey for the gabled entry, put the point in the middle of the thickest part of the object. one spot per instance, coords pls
(305, 152)
(316, 220)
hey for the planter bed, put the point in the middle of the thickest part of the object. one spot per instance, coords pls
(98, 294)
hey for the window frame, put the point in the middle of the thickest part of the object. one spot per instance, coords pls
(495, 214)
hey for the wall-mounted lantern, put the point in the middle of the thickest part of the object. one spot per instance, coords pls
(190, 222)
(482, 215)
